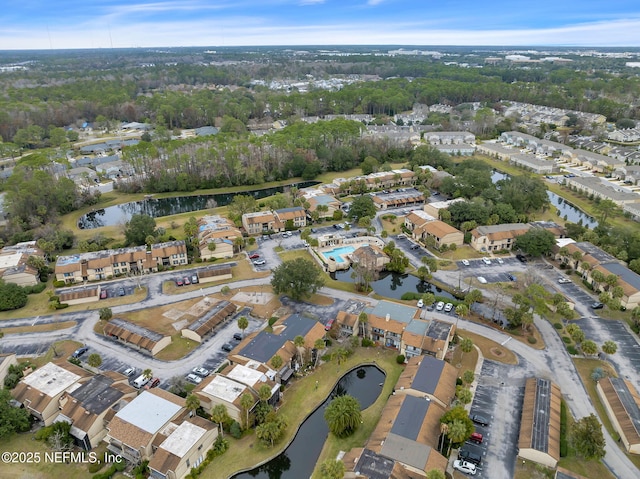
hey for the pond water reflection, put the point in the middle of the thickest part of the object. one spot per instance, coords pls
(157, 207)
(298, 460)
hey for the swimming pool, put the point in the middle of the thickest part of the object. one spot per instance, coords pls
(338, 253)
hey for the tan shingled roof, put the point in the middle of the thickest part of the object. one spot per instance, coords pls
(128, 434)
(628, 429)
(439, 228)
(392, 325)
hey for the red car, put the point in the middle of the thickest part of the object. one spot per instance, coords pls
(179, 282)
(153, 383)
(104, 294)
(254, 256)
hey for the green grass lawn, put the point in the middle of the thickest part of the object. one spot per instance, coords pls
(300, 399)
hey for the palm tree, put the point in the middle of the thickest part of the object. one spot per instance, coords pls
(589, 348)
(319, 345)
(462, 310)
(606, 208)
(363, 322)
(444, 431)
(219, 415)
(611, 280)
(597, 278)
(340, 354)
(576, 256)
(276, 362)
(147, 373)
(332, 469)
(564, 254)
(243, 323)
(457, 431)
(464, 395)
(468, 376)
(246, 402)
(343, 415)
(264, 393)
(466, 346)
(298, 341)
(609, 347)
(192, 403)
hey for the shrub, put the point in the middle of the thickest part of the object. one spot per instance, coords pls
(458, 381)
(235, 430)
(400, 359)
(95, 466)
(272, 320)
(75, 361)
(531, 340)
(563, 430)
(59, 284)
(61, 305)
(572, 350)
(566, 339)
(409, 296)
(557, 325)
(366, 342)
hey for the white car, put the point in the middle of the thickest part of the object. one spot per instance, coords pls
(465, 262)
(259, 262)
(201, 372)
(465, 467)
(564, 280)
(486, 260)
(129, 371)
(420, 303)
(482, 280)
(448, 307)
(192, 378)
(440, 306)
(500, 261)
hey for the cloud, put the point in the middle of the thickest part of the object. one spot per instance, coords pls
(311, 2)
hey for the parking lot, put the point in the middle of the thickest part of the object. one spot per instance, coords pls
(498, 397)
(495, 272)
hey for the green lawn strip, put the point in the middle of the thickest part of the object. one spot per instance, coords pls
(300, 399)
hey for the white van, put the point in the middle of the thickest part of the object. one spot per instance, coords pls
(141, 381)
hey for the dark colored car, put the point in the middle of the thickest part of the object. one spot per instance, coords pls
(415, 246)
(237, 336)
(79, 352)
(478, 419)
(511, 277)
(470, 454)
(521, 257)
(121, 292)
(227, 347)
(597, 305)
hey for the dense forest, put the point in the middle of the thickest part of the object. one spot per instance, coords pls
(193, 90)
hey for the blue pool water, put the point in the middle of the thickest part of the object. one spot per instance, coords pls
(338, 252)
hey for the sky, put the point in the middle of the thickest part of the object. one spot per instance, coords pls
(56, 24)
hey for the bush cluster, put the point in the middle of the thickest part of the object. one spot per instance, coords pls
(564, 447)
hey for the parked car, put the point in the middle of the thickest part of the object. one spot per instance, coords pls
(476, 437)
(104, 294)
(192, 378)
(465, 467)
(415, 246)
(237, 336)
(564, 280)
(203, 372)
(186, 281)
(500, 261)
(259, 262)
(440, 306)
(129, 371)
(153, 383)
(478, 419)
(465, 262)
(597, 305)
(448, 307)
(482, 280)
(486, 260)
(228, 347)
(470, 453)
(121, 292)
(327, 326)
(522, 258)
(194, 279)
(179, 282)
(420, 304)
(79, 352)
(254, 256)
(511, 277)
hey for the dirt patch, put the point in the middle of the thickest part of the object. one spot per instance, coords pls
(173, 314)
(163, 318)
